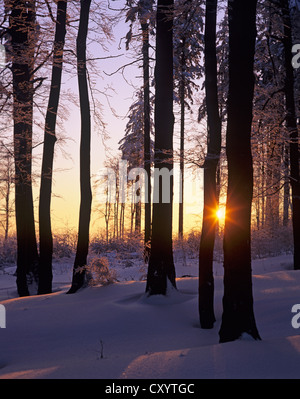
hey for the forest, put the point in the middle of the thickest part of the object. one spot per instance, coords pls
(216, 94)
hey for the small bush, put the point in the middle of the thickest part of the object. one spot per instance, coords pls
(272, 242)
(8, 251)
(127, 244)
(98, 272)
(64, 245)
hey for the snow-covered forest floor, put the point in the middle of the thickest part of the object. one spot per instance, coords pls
(114, 331)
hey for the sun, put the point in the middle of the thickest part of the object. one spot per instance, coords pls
(220, 213)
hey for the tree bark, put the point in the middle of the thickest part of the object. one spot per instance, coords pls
(85, 148)
(45, 231)
(161, 268)
(238, 315)
(181, 150)
(22, 24)
(286, 188)
(147, 141)
(206, 280)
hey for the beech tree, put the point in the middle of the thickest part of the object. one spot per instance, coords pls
(45, 231)
(238, 315)
(206, 280)
(161, 269)
(21, 30)
(85, 148)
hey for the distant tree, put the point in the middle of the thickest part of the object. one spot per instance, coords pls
(210, 206)
(291, 124)
(188, 50)
(269, 134)
(132, 147)
(112, 199)
(6, 188)
(85, 148)
(143, 11)
(161, 269)
(45, 232)
(238, 315)
(22, 25)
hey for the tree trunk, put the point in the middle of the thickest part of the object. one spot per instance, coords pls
(147, 141)
(46, 241)
(286, 188)
(138, 208)
(181, 150)
(291, 123)
(161, 268)
(206, 280)
(22, 24)
(85, 148)
(238, 315)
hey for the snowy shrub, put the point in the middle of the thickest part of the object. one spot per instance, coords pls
(8, 251)
(99, 272)
(128, 243)
(64, 245)
(272, 242)
(187, 246)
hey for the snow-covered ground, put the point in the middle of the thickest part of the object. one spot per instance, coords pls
(115, 332)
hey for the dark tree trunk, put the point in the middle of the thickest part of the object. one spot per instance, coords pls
(85, 147)
(147, 141)
(22, 24)
(46, 241)
(161, 268)
(181, 150)
(286, 188)
(291, 123)
(207, 241)
(238, 315)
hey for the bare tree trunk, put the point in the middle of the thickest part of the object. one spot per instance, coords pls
(181, 150)
(46, 241)
(161, 268)
(207, 241)
(286, 187)
(22, 24)
(238, 314)
(147, 141)
(85, 149)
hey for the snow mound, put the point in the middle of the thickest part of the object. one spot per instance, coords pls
(117, 332)
(242, 359)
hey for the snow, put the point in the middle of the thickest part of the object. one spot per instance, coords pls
(116, 332)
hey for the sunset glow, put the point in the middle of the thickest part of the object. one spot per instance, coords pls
(220, 213)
